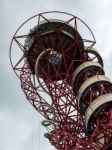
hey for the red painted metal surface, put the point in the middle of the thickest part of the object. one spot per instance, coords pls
(55, 96)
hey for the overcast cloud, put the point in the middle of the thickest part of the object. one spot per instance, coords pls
(20, 126)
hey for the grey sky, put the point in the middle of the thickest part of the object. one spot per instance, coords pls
(20, 127)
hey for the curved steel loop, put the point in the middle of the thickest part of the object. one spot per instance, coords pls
(95, 52)
(37, 67)
(47, 123)
(49, 110)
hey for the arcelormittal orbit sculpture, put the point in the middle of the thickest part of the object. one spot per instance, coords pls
(62, 76)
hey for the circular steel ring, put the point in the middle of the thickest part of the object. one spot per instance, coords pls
(38, 15)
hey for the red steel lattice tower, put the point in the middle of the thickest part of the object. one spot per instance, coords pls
(62, 76)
